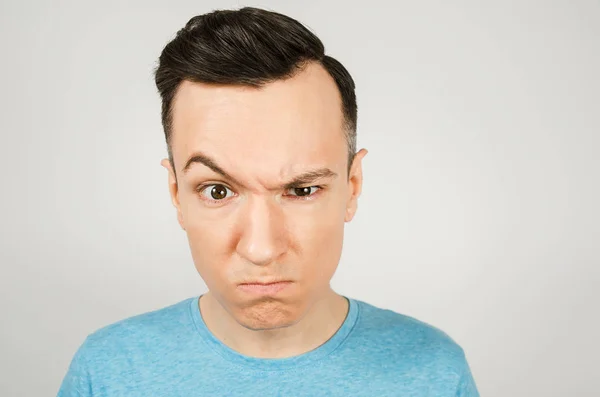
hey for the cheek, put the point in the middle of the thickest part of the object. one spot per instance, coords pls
(319, 236)
(210, 239)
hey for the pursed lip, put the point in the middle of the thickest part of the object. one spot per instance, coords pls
(265, 282)
(264, 288)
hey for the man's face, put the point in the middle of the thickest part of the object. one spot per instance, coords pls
(266, 193)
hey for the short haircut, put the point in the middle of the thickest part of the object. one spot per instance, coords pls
(250, 47)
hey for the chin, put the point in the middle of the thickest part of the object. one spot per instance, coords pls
(267, 314)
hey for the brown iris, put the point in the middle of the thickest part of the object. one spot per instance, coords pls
(302, 191)
(218, 192)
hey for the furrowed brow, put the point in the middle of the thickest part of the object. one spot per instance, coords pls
(305, 178)
(309, 177)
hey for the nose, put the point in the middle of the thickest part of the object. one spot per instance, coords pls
(263, 235)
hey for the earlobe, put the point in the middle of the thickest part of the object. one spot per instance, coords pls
(180, 219)
(349, 214)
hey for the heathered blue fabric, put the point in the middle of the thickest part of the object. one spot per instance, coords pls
(171, 352)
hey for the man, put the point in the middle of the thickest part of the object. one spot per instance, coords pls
(263, 172)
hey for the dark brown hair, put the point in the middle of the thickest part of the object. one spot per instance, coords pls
(249, 46)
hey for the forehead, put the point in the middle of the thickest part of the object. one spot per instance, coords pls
(277, 128)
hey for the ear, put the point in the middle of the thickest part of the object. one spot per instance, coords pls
(174, 191)
(355, 181)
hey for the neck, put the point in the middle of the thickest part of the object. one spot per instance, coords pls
(320, 323)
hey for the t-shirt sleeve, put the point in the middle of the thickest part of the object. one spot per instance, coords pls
(76, 382)
(466, 385)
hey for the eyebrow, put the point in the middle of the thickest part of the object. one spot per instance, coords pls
(309, 177)
(303, 179)
(199, 158)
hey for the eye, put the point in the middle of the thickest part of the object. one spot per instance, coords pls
(215, 192)
(303, 191)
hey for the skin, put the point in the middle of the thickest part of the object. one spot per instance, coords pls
(256, 148)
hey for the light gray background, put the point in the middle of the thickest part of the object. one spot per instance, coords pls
(480, 206)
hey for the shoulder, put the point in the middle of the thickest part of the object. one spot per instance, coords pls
(402, 337)
(129, 349)
(139, 332)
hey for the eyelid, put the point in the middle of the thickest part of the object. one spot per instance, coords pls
(302, 187)
(204, 185)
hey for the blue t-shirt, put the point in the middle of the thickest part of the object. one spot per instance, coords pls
(170, 352)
